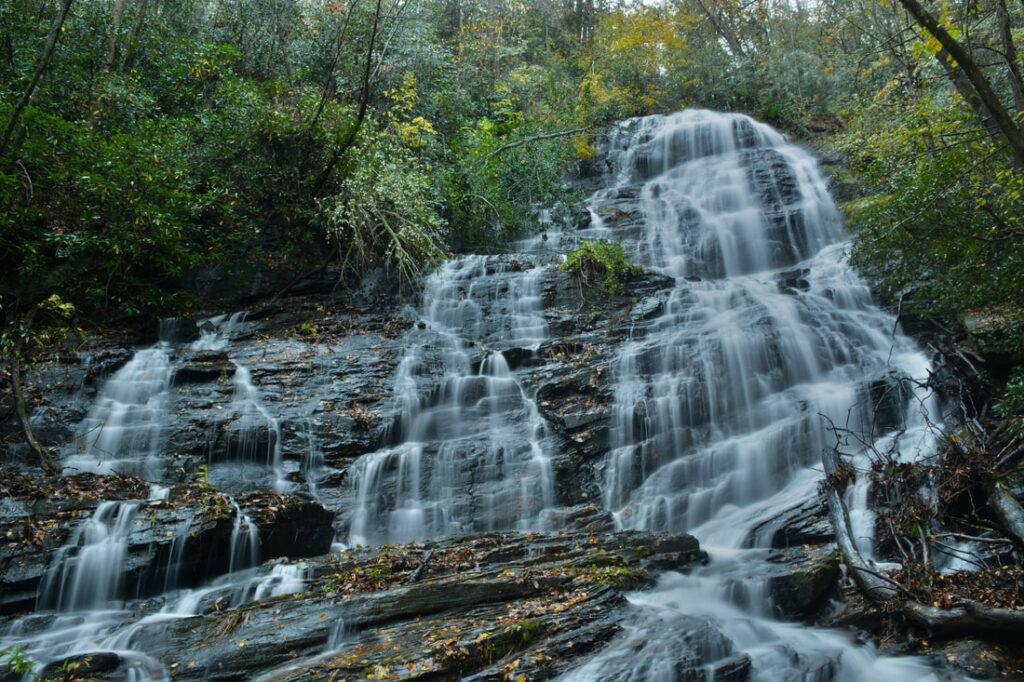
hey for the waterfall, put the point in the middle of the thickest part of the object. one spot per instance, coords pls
(126, 425)
(768, 336)
(723, 403)
(245, 542)
(124, 429)
(88, 572)
(469, 448)
(253, 438)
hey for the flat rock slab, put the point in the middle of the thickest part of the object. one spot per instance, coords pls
(488, 604)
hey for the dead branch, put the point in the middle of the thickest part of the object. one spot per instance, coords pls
(537, 138)
(969, 616)
(873, 585)
(1007, 510)
(415, 575)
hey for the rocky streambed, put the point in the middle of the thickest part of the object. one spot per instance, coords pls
(489, 604)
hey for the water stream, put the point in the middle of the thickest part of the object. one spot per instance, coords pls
(470, 451)
(722, 406)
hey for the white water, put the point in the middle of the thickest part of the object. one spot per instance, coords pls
(720, 415)
(127, 424)
(253, 439)
(125, 427)
(85, 586)
(245, 542)
(470, 451)
(722, 407)
(87, 572)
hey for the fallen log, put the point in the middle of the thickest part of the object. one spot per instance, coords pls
(968, 616)
(876, 587)
(1007, 510)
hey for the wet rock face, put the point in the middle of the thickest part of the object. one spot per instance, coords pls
(480, 605)
(300, 389)
(805, 577)
(573, 380)
(180, 541)
(804, 524)
(203, 367)
(320, 370)
(802, 566)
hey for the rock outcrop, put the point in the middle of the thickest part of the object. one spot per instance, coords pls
(482, 606)
(180, 541)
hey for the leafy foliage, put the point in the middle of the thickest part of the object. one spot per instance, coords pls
(386, 211)
(603, 261)
(16, 660)
(1011, 405)
(943, 220)
(215, 133)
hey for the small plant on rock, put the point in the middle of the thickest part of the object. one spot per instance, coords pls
(601, 262)
(15, 660)
(362, 418)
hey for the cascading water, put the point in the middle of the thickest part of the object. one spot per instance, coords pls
(125, 427)
(722, 406)
(123, 433)
(87, 573)
(721, 402)
(245, 542)
(253, 448)
(470, 451)
(85, 586)
(127, 424)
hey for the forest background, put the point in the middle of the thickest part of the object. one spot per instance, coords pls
(146, 141)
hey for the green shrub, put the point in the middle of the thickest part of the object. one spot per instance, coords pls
(601, 262)
(386, 212)
(1011, 405)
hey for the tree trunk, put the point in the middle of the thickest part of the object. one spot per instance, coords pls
(981, 85)
(963, 87)
(328, 88)
(970, 617)
(44, 62)
(1007, 510)
(46, 460)
(115, 35)
(363, 103)
(1010, 53)
(722, 27)
(281, 30)
(133, 35)
(870, 583)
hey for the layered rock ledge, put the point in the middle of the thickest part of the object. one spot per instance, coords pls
(484, 606)
(187, 534)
